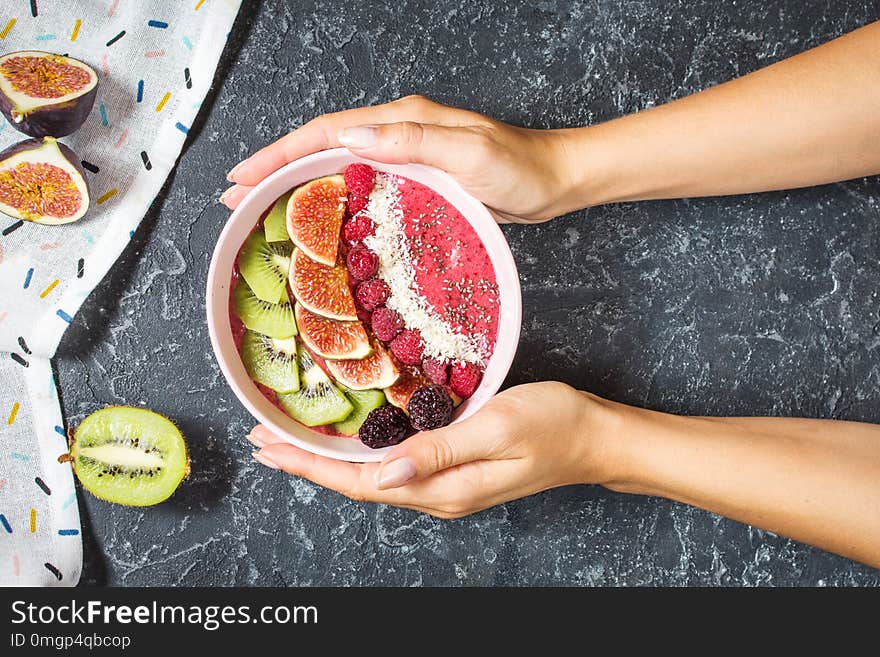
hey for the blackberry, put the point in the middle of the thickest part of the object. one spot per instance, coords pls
(430, 407)
(385, 426)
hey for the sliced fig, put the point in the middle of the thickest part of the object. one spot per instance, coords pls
(314, 217)
(375, 371)
(331, 338)
(41, 180)
(46, 95)
(410, 380)
(320, 288)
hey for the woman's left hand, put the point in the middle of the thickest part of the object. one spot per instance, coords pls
(526, 439)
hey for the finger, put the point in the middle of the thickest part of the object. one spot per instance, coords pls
(260, 436)
(431, 452)
(357, 480)
(408, 141)
(341, 476)
(321, 133)
(234, 195)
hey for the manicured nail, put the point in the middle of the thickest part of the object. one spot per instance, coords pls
(396, 473)
(254, 440)
(363, 136)
(259, 458)
(231, 174)
(225, 195)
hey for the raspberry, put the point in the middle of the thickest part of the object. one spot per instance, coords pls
(464, 379)
(372, 293)
(384, 426)
(407, 347)
(362, 263)
(430, 407)
(386, 324)
(436, 370)
(356, 204)
(357, 229)
(359, 179)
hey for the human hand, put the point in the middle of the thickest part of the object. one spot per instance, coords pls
(518, 173)
(526, 439)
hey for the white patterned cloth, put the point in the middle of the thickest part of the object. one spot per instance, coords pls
(155, 62)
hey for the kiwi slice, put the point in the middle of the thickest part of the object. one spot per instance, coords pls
(273, 319)
(271, 361)
(275, 224)
(363, 401)
(129, 456)
(318, 401)
(265, 266)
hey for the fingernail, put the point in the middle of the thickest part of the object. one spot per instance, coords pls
(233, 170)
(259, 458)
(254, 440)
(363, 136)
(225, 194)
(396, 473)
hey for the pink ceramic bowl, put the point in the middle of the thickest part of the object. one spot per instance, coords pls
(242, 222)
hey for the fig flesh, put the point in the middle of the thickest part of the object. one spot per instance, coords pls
(321, 289)
(408, 381)
(331, 338)
(314, 217)
(42, 180)
(46, 95)
(375, 371)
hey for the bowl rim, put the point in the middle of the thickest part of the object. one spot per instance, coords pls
(261, 198)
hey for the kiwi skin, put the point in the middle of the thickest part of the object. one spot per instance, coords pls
(72, 442)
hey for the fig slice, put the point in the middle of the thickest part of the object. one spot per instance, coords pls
(45, 95)
(42, 180)
(323, 290)
(375, 371)
(410, 380)
(331, 338)
(314, 217)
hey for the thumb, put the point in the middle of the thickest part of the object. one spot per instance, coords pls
(430, 452)
(409, 142)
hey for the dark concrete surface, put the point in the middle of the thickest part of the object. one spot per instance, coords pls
(763, 304)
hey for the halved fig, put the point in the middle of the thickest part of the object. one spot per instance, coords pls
(46, 95)
(410, 380)
(375, 371)
(42, 180)
(314, 217)
(330, 338)
(323, 290)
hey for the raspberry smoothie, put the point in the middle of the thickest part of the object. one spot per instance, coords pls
(441, 278)
(377, 333)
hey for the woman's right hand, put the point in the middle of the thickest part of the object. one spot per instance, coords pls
(524, 440)
(520, 174)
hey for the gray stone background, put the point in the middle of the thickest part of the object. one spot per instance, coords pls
(763, 304)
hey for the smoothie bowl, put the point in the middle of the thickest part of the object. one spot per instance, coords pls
(352, 303)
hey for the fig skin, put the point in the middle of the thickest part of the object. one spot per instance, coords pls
(52, 119)
(72, 160)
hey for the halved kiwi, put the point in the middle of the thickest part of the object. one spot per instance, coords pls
(318, 401)
(270, 361)
(363, 401)
(129, 456)
(275, 224)
(273, 319)
(265, 266)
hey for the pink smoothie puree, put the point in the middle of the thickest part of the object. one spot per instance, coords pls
(452, 269)
(441, 278)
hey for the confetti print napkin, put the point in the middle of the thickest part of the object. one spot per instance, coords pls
(155, 61)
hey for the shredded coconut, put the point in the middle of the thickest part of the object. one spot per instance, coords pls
(389, 243)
